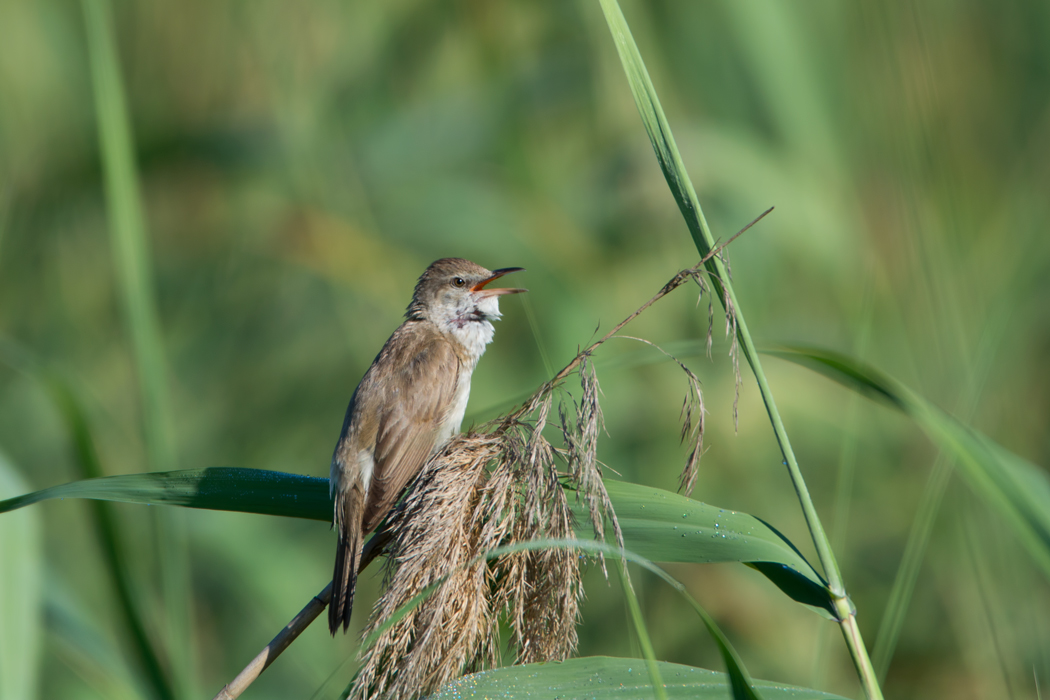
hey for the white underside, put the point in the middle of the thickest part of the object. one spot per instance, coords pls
(474, 336)
(457, 410)
(365, 466)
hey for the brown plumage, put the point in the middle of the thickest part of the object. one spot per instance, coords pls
(409, 403)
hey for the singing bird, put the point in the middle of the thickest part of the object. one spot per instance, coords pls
(408, 404)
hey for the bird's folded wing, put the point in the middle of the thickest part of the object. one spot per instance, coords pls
(424, 386)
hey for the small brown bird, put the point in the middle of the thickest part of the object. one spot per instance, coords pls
(409, 403)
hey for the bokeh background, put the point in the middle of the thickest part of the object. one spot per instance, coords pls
(301, 163)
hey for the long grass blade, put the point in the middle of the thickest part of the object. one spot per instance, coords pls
(908, 574)
(895, 613)
(82, 643)
(128, 233)
(670, 527)
(603, 677)
(130, 246)
(21, 595)
(214, 488)
(659, 131)
(635, 609)
(143, 647)
(1017, 489)
(148, 654)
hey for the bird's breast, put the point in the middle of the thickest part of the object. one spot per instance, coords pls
(457, 409)
(472, 336)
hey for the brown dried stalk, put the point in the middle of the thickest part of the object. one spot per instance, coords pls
(373, 548)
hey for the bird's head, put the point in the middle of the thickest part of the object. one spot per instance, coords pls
(454, 292)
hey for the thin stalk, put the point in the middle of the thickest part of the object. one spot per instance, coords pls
(372, 549)
(847, 468)
(671, 163)
(131, 255)
(674, 283)
(535, 326)
(643, 634)
(130, 246)
(911, 562)
(922, 528)
(981, 578)
(110, 540)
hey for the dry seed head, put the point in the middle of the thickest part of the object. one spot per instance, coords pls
(433, 539)
(581, 440)
(723, 255)
(692, 428)
(710, 325)
(541, 589)
(734, 355)
(481, 491)
(692, 415)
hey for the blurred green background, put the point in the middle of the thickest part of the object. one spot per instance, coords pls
(301, 163)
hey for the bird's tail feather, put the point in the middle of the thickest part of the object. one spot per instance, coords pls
(349, 508)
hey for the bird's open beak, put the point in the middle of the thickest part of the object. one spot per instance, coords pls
(479, 288)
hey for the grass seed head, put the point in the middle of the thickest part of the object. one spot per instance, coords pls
(480, 492)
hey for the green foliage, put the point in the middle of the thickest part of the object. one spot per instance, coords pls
(602, 676)
(21, 595)
(1016, 488)
(129, 594)
(668, 527)
(214, 488)
(131, 258)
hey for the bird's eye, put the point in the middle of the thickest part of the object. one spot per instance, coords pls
(458, 281)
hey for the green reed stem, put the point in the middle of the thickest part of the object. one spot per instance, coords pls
(131, 256)
(671, 163)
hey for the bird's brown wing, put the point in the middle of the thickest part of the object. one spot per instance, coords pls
(421, 393)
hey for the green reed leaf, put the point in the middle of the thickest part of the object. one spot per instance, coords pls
(21, 595)
(661, 525)
(602, 677)
(1017, 489)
